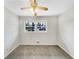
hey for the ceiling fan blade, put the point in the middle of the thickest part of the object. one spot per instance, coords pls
(25, 8)
(42, 8)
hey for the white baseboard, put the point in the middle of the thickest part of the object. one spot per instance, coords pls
(36, 44)
(66, 51)
(11, 50)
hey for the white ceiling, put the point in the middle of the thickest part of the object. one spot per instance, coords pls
(55, 7)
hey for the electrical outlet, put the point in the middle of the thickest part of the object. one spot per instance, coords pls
(37, 42)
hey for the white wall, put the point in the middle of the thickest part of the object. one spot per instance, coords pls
(60, 31)
(45, 38)
(66, 31)
(11, 31)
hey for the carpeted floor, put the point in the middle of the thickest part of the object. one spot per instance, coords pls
(38, 52)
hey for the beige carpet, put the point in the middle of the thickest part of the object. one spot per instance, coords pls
(38, 52)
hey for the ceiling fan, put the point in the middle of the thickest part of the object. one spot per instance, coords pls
(34, 6)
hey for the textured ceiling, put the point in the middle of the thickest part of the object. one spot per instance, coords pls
(55, 7)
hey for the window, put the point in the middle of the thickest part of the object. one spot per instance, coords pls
(30, 26)
(39, 26)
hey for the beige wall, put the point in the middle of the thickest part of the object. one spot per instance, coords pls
(66, 31)
(10, 31)
(45, 38)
